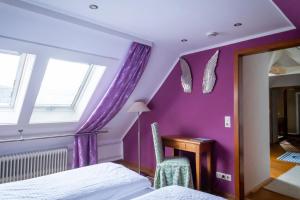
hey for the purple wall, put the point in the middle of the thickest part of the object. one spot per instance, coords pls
(199, 115)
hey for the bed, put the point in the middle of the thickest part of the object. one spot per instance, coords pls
(100, 181)
(177, 193)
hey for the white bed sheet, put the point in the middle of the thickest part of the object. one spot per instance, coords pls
(101, 181)
(177, 193)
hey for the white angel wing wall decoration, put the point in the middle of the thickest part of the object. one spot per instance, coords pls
(186, 76)
(209, 78)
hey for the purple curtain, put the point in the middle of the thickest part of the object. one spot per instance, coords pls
(85, 143)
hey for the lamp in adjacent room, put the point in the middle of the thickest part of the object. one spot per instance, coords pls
(139, 107)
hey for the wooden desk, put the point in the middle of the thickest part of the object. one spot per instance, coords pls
(196, 146)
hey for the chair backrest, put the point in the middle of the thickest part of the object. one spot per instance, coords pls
(158, 148)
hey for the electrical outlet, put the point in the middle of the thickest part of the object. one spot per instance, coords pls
(227, 121)
(226, 177)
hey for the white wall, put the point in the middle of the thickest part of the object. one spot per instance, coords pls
(107, 150)
(255, 119)
(27, 26)
(36, 33)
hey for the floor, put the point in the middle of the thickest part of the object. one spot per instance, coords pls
(277, 168)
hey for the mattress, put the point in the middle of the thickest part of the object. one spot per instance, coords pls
(101, 181)
(177, 193)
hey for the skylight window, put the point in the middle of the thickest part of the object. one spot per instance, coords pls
(15, 73)
(65, 91)
(11, 67)
(62, 84)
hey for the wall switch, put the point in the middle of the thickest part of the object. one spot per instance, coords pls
(223, 176)
(227, 122)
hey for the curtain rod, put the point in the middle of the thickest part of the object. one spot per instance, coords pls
(21, 139)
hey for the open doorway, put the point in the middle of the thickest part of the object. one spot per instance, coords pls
(269, 121)
(284, 107)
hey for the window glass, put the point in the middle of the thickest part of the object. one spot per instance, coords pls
(9, 69)
(63, 81)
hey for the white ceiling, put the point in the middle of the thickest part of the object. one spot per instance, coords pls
(168, 21)
(117, 23)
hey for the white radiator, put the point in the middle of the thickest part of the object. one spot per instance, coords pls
(32, 164)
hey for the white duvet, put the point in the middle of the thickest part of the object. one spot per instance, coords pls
(178, 193)
(101, 181)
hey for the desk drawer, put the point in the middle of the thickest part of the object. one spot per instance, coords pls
(180, 146)
(175, 145)
(191, 147)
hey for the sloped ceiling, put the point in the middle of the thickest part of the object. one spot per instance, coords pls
(294, 54)
(163, 24)
(286, 61)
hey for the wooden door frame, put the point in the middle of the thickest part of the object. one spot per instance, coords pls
(238, 137)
